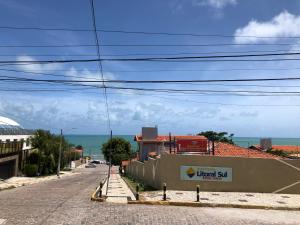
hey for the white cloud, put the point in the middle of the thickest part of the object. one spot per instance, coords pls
(36, 67)
(86, 74)
(283, 25)
(216, 4)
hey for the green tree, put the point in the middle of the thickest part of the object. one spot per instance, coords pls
(46, 156)
(120, 150)
(218, 136)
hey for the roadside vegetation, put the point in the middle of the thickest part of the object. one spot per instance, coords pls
(132, 184)
(44, 159)
(118, 148)
(278, 152)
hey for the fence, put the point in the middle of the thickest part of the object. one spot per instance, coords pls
(10, 148)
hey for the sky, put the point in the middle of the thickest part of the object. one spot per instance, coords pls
(267, 25)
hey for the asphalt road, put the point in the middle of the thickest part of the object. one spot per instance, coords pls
(67, 201)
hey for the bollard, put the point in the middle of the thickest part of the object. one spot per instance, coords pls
(198, 190)
(165, 189)
(137, 195)
(100, 191)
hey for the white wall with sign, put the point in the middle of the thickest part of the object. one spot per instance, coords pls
(223, 174)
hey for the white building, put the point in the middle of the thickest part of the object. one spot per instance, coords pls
(14, 147)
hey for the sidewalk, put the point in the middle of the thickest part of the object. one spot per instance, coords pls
(118, 191)
(225, 199)
(22, 181)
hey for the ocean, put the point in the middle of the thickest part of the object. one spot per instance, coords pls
(92, 143)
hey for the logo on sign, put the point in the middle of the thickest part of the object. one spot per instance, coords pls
(190, 172)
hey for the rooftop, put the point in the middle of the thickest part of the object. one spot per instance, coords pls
(286, 148)
(225, 149)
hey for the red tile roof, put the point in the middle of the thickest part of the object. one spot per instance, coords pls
(286, 148)
(224, 149)
(165, 138)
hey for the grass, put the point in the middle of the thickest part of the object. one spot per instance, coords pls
(132, 183)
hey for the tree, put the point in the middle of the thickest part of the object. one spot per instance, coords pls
(46, 156)
(218, 137)
(120, 150)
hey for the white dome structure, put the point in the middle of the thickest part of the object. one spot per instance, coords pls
(8, 122)
(11, 127)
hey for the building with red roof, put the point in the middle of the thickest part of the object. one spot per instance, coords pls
(152, 144)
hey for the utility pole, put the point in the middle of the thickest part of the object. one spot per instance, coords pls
(170, 142)
(59, 156)
(109, 167)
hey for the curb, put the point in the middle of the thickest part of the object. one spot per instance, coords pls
(95, 198)
(9, 187)
(214, 205)
(94, 195)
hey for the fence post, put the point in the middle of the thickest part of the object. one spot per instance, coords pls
(100, 191)
(137, 195)
(164, 193)
(198, 190)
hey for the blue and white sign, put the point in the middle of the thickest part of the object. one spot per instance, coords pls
(201, 173)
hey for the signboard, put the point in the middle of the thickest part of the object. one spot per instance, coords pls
(192, 145)
(222, 174)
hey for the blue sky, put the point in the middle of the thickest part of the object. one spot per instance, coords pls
(84, 109)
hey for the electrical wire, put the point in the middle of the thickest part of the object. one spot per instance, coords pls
(144, 32)
(99, 62)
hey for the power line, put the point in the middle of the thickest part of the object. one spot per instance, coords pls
(165, 59)
(197, 45)
(186, 91)
(147, 45)
(155, 53)
(47, 74)
(99, 62)
(143, 32)
(153, 81)
(47, 46)
(172, 70)
(205, 90)
(170, 90)
(166, 82)
(210, 103)
(169, 82)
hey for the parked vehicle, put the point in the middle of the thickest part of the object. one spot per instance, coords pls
(90, 165)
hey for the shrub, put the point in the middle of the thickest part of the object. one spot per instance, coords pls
(31, 170)
(33, 158)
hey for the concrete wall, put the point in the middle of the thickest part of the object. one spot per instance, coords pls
(248, 174)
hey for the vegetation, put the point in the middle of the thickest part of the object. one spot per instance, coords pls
(46, 155)
(132, 183)
(277, 152)
(120, 150)
(218, 136)
(31, 170)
